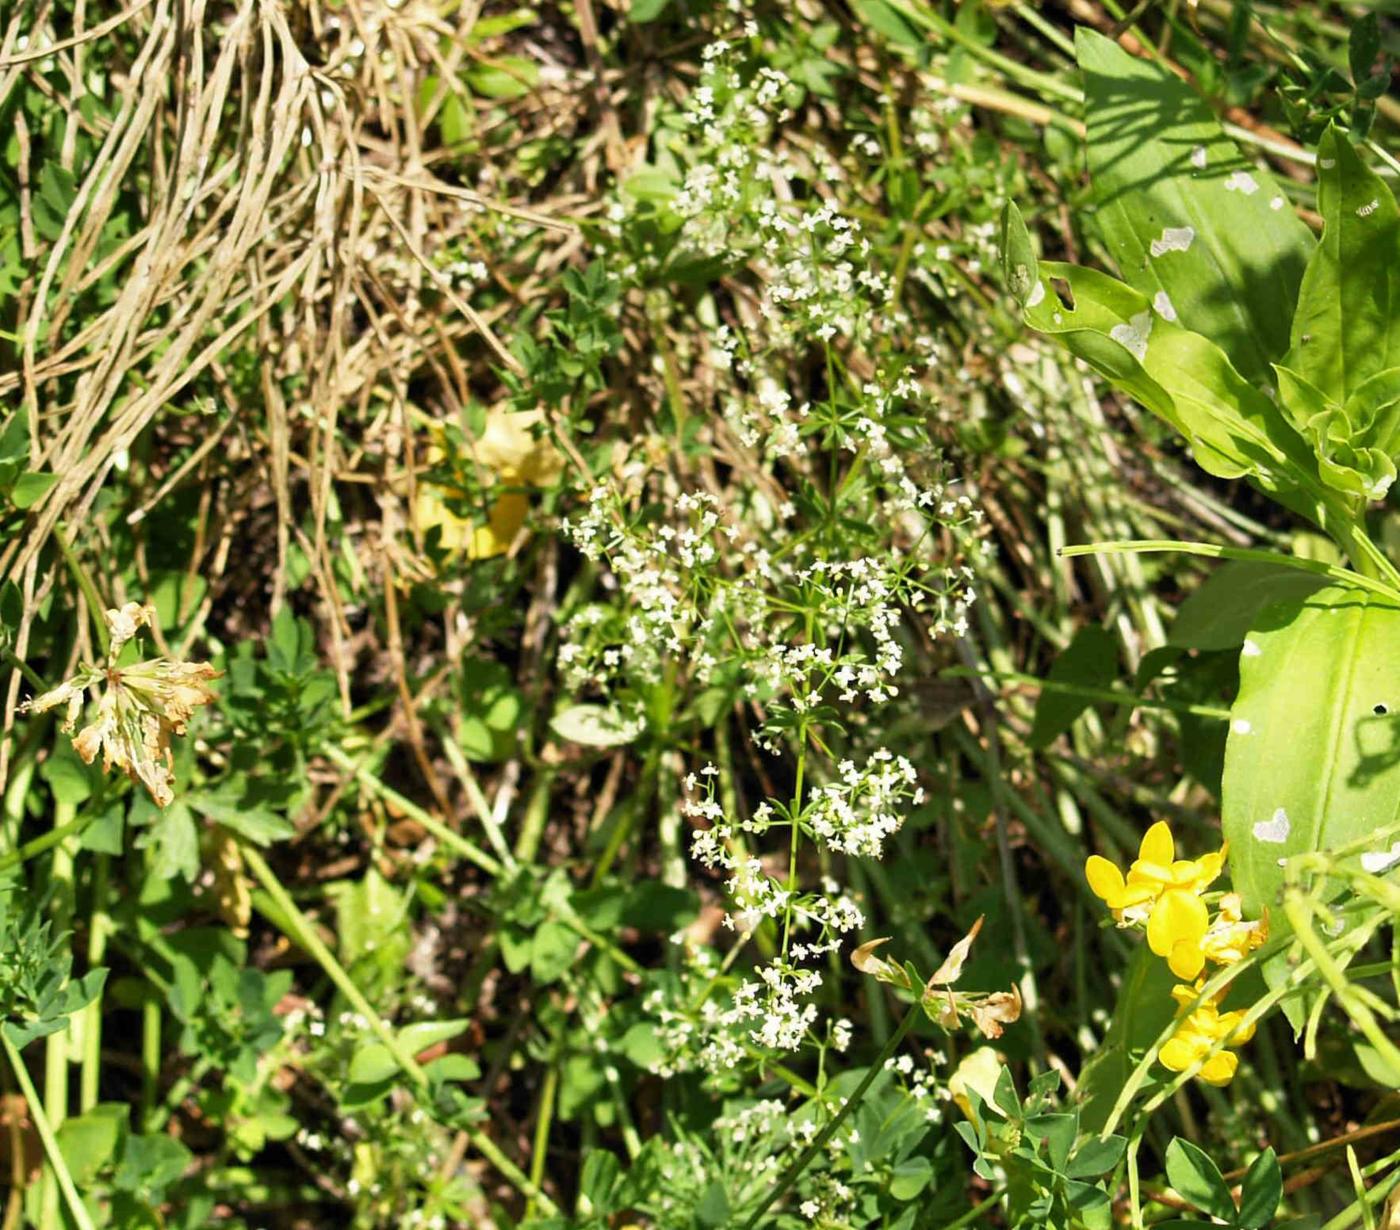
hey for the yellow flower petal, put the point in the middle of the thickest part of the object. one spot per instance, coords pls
(1176, 916)
(1157, 845)
(1186, 959)
(1208, 867)
(1178, 1054)
(503, 522)
(1106, 880)
(1219, 1068)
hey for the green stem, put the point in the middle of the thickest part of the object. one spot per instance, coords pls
(290, 919)
(1344, 576)
(150, 1061)
(449, 837)
(973, 1215)
(1109, 696)
(47, 1137)
(539, 1151)
(794, 1172)
(95, 605)
(56, 1045)
(90, 1082)
(1300, 919)
(46, 841)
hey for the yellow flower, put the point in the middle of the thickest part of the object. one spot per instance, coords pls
(1227, 940)
(1160, 889)
(509, 450)
(1201, 1030)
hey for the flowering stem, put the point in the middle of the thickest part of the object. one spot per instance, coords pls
(794, 812)
(47, 1137)
(1300, 918)
(794, 1172)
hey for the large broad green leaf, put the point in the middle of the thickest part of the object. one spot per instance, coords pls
(1233, 429)
(1347, 326)
(1220, 614)
(1313, 756)
(1185, 216)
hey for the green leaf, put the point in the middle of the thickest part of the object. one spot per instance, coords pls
(175, 840)
(1162, 166)
(601, 1174)
(641, 11)
(1198, 1180)
(1095, 1157)
(1142, 1010)
(1090, 660)
(368, 914)
(889, 23)
(88, 1142)
(1347, 326)
(1221, 612)
(1019, 269)
(1182, 377)
(1311, 761)
(374, 1062)
(259, 824)
(503, 78)
(11, 606)
(910, 1177)
(552, 951)
(712, 1210)
(30, 488)
(1261, 1192)
(70, 780)
(150, 1164)
(596, 725)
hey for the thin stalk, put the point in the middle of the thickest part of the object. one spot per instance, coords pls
(1109, 696)
(449, 837)
(90, 1081)
(56, 1045)
(539, 1150)
(150, 1060)
(794, 1172)
(1344, 576)
(46, 841)
(297, 927)
(47, 1137)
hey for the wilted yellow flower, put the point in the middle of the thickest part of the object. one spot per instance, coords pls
(1160, 889)
(509, 449)
(138, 711)
(1199, 1031)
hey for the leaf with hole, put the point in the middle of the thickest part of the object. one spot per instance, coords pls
(1313, 756)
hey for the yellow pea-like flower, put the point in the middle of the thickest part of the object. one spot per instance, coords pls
(1201, 1030)
(1159, 889)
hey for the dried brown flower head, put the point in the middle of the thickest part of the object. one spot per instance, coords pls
(138, 710)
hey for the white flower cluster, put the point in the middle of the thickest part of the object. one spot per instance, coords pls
(859, 811)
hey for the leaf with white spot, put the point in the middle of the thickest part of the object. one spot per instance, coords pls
(1163, 170)
(1321, 765)
(1233, 429)
(1347, 326)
